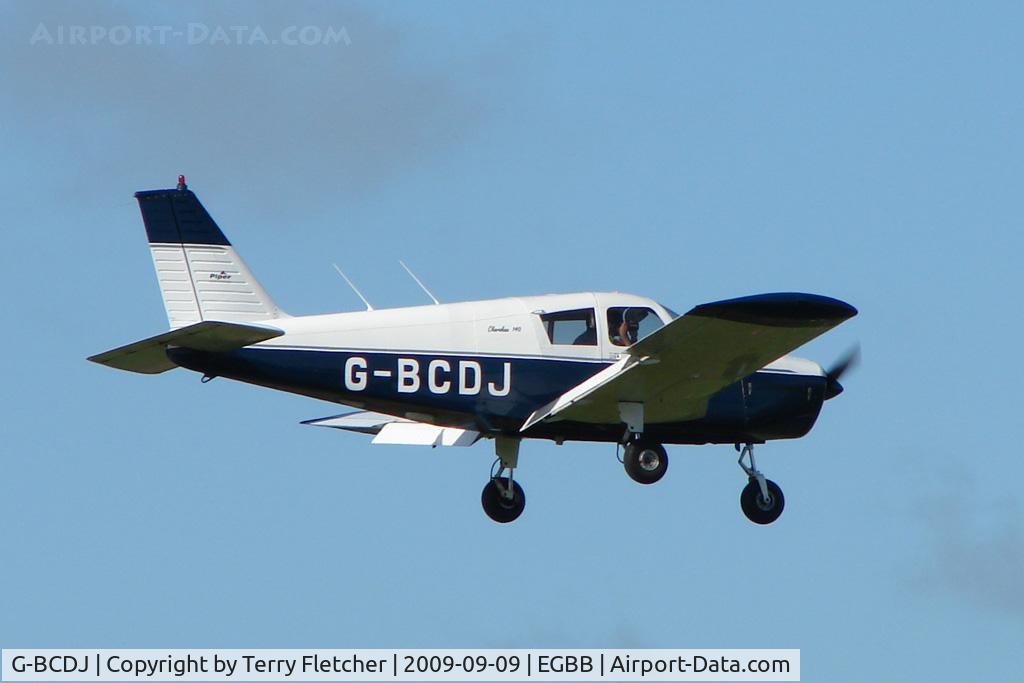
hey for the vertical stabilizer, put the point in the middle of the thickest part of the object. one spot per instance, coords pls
(201, 276)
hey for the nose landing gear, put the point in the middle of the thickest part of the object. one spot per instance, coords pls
(761, 499)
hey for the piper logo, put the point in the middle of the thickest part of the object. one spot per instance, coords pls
(220, 276)
(466, 377)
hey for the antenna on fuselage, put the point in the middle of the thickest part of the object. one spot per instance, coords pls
(354, 288)
(422, 286)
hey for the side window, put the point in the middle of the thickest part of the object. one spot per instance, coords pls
(571, 327)
(629, 325)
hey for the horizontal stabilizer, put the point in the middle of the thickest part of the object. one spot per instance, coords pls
(398, 430)
(149, 356)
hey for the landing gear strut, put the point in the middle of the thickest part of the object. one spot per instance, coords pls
(503, 498)
(761, 499)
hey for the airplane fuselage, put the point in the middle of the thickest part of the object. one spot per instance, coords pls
(488, 365)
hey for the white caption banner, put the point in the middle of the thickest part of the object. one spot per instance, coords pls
(400, 665)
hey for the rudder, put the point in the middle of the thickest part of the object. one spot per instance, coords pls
(201, 276)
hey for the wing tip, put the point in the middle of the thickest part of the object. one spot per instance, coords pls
(782, 309)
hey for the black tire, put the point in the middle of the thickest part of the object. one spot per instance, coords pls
(645, 462)
(756, 508)
(499, 508)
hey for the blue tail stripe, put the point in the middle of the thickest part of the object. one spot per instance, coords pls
(177, 217)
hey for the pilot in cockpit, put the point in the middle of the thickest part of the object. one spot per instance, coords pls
(624, 325)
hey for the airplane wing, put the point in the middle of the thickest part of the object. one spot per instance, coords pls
(389, 429)
(675, 370)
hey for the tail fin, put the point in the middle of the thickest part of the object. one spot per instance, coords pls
(201, 275)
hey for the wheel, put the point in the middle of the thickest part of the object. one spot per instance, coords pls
(645, 463)
(500, 509)
(756, 508)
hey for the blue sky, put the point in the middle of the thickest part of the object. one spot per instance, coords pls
(685, 151)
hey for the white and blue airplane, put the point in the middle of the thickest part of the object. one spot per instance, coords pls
(590, 366)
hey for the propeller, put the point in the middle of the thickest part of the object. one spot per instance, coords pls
(848, 360)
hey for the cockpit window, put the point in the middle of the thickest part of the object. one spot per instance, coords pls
(571, 327)
(629, 325)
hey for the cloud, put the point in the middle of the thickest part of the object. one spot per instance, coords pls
(977, 549)
(345, 117)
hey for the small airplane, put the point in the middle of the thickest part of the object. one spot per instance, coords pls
(590, 366)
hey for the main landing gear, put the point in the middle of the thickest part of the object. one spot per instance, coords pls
(503, 498)
(761, 499)
(645, 461)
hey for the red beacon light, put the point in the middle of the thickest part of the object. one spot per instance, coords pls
(181, 183)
